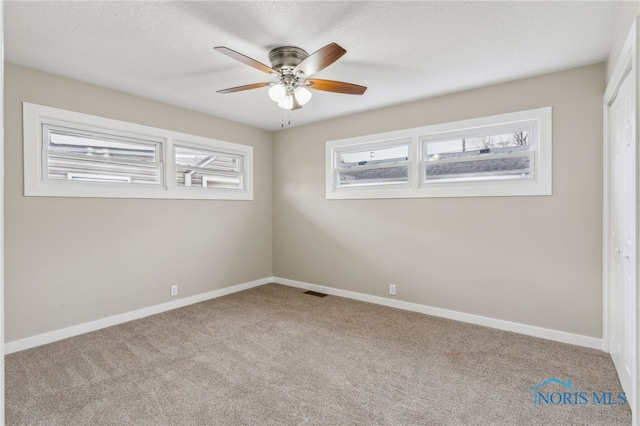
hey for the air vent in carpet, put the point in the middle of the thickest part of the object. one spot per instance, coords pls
(315, 293)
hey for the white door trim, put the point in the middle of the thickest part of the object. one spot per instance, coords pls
(627, 63)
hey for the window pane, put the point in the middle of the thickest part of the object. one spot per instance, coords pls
(374, 176)
(208, 169)
(209, 160)
(80, 155)
(388, 155)
(97, 145)
(498, 156)
(379, 165)
(481, 168)
(101, 171)
(455, 148)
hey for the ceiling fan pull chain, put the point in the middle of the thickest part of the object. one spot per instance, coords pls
(282, 118)
(289, 111)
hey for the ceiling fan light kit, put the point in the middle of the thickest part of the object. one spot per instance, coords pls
(292, 66)
(284, 96)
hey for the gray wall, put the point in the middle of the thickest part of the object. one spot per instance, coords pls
(531, 260)
(74, 260)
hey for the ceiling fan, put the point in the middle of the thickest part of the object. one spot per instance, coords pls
(293, 66)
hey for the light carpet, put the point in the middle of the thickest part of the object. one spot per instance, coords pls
(273, 355)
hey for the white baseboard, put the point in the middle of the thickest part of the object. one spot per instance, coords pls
(53, 336)
(530, 330)
(545, 333)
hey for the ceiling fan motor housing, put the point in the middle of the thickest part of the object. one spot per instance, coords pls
(284, 59)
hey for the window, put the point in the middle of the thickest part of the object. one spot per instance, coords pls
(503, 155)
(91, 156)
(385, 163)
(493, 153)
(79, 155)
(202, 168)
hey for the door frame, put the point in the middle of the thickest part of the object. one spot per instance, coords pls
(626, 65)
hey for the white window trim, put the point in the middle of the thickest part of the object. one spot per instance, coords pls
(540, 184)
(34, 116)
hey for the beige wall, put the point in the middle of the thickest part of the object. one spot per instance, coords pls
(70, 261)
(630, 11)
(531, 260)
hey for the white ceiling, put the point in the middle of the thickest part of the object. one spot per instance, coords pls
(401, 51)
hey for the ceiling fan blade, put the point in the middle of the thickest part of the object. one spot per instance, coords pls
(245, 60)
(320, 59)
(335, 86)
(245, 87)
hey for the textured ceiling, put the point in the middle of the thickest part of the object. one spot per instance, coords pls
(402, 51)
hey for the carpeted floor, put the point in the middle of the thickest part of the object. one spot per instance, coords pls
(275, 356)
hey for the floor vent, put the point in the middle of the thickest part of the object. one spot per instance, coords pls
(315, 293)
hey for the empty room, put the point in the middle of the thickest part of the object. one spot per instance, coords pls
(320, 212)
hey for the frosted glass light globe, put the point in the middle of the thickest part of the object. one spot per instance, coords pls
(302, 95)
(277, 92)
(286, 102)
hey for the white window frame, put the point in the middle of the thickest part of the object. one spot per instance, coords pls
(148, 141)
(36, 183)
(372, 146)
(186, 144)
(530, 126)
(539, 184)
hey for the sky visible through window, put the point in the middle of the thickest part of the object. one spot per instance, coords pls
(392, 154)
(505, 140)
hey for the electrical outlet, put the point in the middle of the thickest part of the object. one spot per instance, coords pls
(174, 290)
(392, 289)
